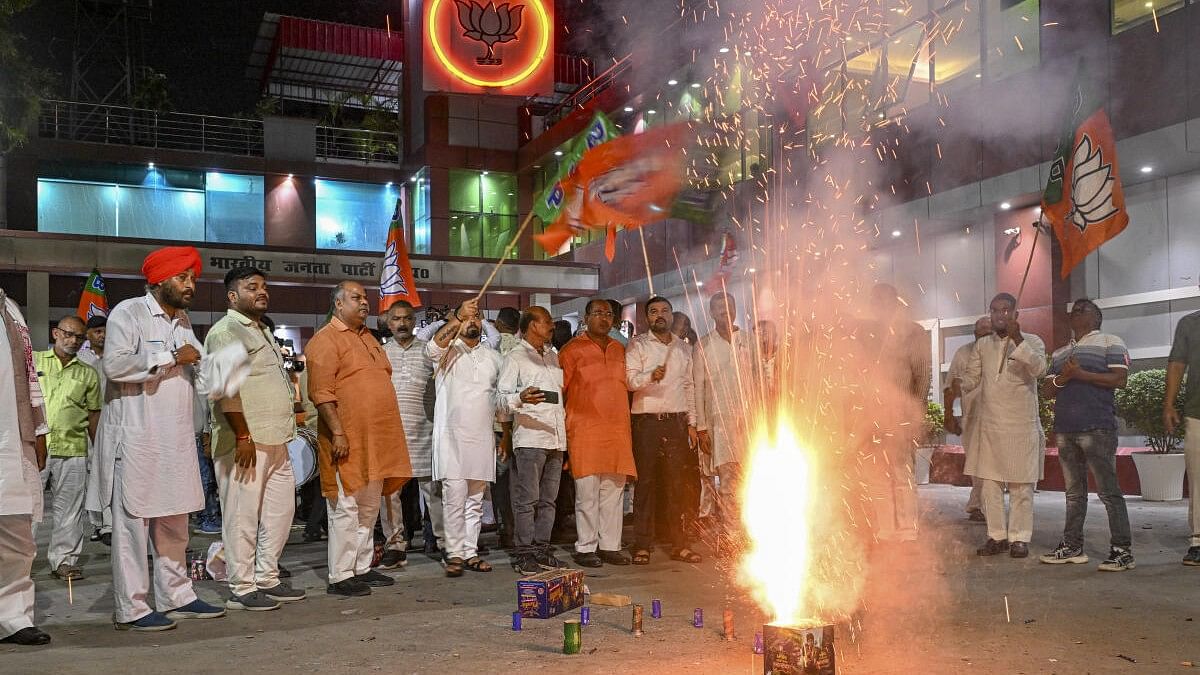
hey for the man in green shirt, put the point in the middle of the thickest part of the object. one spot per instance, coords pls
(1185, 358)
(73, 397)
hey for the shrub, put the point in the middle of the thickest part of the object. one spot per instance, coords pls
(1140, 404)
(935, 434)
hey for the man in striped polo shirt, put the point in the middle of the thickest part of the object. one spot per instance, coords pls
(1082, 377)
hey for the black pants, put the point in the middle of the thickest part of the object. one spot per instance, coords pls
(665, 461)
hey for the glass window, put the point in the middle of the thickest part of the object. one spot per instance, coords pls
(77, 208)
(1129, 13)
(863, 92)
(354, 216)
(1012, 37)
(956, 44)
(234, 208)
(421, 215)
(908, 68)
(160, 213)
(483, 213)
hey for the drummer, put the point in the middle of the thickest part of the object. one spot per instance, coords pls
(250, 433)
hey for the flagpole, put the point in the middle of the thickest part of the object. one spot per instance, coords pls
(1037, 231)
(646, 259)
(504, 256)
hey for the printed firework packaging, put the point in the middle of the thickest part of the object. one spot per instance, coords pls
(549, 593)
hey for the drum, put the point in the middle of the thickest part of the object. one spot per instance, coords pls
(303, 451)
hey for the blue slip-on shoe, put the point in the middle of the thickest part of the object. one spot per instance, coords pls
(154, 621)
(196, 609)
(206, 528)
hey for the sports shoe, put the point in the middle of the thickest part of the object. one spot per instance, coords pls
(284, 593)
(374, 579)
(1192, 559)
(1119, 560)
(526, 565)
(393, 559)
(545, 557)
(66, 571)
(1063, 554)
(206, 528)
(351, 587)
(154, 621)
(255, 601)
(992, 547)
(196, 609)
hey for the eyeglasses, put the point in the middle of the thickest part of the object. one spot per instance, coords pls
(72, 336)
(608, 315)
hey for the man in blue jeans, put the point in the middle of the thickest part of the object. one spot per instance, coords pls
(207, 521)
(1082, 377)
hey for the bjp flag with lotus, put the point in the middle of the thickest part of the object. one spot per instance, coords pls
(94, 299)
(628, 182)
(1083, 200)
(396, 282)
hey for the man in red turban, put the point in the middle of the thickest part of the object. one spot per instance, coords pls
(152, 361)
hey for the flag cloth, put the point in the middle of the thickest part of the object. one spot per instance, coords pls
(94, 300)
(396, 281)
(1083, 200)
(549, 203)
(628, 182)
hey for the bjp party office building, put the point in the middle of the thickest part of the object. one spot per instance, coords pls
(308, 202)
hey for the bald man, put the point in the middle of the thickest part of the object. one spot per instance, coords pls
(73, 398)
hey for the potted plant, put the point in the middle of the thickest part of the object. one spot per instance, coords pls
(933, 435)
(1140, 404)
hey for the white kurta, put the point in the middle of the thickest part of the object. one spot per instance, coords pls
(721, 371)
(464, 445)
(147, 419)
(20, 480)
(1008, 443)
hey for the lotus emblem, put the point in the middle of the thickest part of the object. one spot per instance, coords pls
(392, 281)
(489, 25)
(1091, 186)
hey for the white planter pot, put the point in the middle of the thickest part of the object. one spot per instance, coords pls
(921, 465)
(1161, 475)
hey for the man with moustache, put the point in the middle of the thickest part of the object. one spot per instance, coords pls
(658, 368)
(966, 427)
(530, 385)
(721, 371)
(598, 436)
(250, 433)
(1005, 367)
(412, 380)
(466, 372)
(363, 455)
(72, 392)
(147, 469)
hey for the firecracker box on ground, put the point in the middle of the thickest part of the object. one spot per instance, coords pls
(798, 650)
(549, 593)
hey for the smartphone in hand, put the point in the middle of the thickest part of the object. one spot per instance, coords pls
(549, 396)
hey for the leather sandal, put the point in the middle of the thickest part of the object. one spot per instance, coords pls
(686, 555)
(454, 567)
(641, 557)
(477, 564)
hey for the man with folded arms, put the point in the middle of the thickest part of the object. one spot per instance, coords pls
(250, 432)
(362, 453)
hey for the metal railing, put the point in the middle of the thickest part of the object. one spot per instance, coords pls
(119, 125)
(336, 144)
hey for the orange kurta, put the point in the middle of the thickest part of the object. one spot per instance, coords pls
(349, 368)
(599, 439)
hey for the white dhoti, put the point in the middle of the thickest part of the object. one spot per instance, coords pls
(351, 530)
(17, 552)
(598, 512)
(1017, 524)
(167, 538)
(462, 508)
(257, 507)
(68, 486)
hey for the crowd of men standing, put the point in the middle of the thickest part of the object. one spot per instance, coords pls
(461, 408)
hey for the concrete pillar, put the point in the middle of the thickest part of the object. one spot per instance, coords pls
(37, 308)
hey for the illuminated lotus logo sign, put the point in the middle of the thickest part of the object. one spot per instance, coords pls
(490, 25)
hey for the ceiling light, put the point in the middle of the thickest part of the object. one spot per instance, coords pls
(1149, 5)
(1005, 205)
(724, 50)
(672, 82)
(695, 85)
(390, 183)
(558, 153)
(752, 270)
(482, 174)
(413, 179)
(895, 233)
(651, 112)
(150, 166)
(978, 75)
(1147, 169)
(291, 176)
(628, 108)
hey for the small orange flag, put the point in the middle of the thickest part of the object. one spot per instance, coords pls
(396, 282)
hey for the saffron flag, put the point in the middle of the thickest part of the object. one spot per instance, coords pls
(549, 204)
(628, 182)
(1083, 200)
(93, 301)
(396, 282)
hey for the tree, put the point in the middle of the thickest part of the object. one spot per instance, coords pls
(22, 86)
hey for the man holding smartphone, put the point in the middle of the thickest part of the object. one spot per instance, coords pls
(531, 386)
